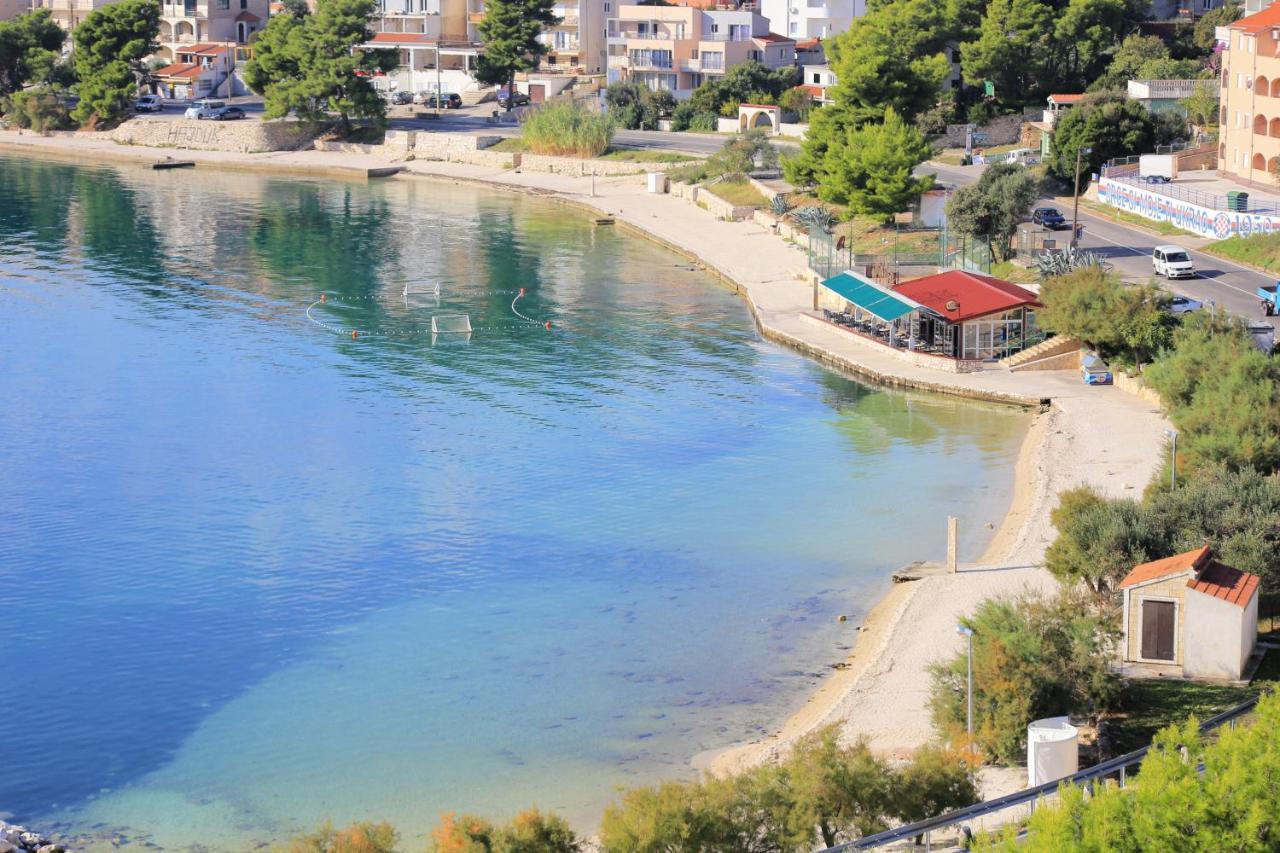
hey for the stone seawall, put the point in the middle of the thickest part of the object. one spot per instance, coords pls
(244, 136)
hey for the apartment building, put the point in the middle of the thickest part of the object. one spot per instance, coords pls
(1249, 119)
(437, 40)
(13, 8)
(576, 44)
(811, 19)
(69, 13)
(678, 48)
(184, 23)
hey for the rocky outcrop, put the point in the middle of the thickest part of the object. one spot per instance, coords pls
(19, 839)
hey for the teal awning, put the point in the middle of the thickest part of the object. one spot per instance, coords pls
(870, 297)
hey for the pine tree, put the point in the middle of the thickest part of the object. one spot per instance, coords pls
(111, 45)
(313, 65)
(30, 47)
(871, 169)
(510, 30)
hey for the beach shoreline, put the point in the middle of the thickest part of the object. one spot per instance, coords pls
(880, 690)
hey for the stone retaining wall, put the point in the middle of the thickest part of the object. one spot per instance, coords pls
(245, 136)
(583, 168)
(1136, 386)
(1002, 130)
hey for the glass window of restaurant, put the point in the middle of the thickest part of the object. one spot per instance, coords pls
(993, 337)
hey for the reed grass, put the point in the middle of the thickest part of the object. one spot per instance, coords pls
(567, 129)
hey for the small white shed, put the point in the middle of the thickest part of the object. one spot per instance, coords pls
(1189, 615)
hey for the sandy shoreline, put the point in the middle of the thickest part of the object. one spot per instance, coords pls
(881, 691)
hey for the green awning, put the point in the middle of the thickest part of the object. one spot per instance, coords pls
(869, 296)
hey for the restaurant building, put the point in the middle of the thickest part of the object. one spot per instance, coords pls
(955, 315)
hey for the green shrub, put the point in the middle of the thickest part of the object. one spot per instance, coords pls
(1189, 795)
(1124, 322)
(567, 128)
(1032, 657)
(41, 110)
(530, 831)
(637, 107)
(1222, 394)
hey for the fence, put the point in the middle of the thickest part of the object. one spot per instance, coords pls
(1212, 201)
(832, 254)
(1117, 767)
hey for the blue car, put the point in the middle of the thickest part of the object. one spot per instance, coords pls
(1048, 217)
(1095, 371)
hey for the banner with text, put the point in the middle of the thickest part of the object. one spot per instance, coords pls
(1204, 221)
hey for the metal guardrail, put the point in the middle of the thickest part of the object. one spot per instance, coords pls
(1213, 201)
(1118, 765)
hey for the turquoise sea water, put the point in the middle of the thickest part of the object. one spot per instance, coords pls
(257, 573)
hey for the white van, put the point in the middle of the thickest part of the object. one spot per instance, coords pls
(204, 108)
(1172, 262)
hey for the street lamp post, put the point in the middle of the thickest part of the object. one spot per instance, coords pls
(966, 631)
(1075, 202)
(1173, 457)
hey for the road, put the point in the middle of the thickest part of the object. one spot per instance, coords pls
(1128, 249)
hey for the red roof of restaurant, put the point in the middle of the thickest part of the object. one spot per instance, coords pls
(181, 69)
(972, 294)
(1208, 576)
(1258, 21)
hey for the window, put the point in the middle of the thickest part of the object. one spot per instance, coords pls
(715, 28)
(608, 7)
(642, 28)
(739, 32)
(244, 4)
(817, 79)
(224, 4)
(795, 28)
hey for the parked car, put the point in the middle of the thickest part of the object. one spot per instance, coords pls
(1183, 305)
(1172, 262)
(508, 98)
(1095, 370)
(203, 108)
(1049, 217)
(227, 114)
(401, 98)
(148, 104)
(421, 97)
(447, 101)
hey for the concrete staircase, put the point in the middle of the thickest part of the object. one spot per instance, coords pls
(1060, 353)
(471, 97)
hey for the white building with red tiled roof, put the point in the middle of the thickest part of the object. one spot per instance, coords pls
(1189, 615)
(199, 70)
(184, 23)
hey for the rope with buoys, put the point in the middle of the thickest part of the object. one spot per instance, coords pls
(525, 317)
(407, 333)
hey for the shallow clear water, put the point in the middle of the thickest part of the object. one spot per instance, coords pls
(256, 573)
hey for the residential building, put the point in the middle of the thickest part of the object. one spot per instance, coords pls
(1161, 96)
(677, 48)
(1169, 10)
(811, 19)
(1058, 104)
(576, 44)
(69, 13)
(1249, 119)
(1189, 615)
(184, 23)
(810, 52)
(13, 8)
(816, 80)
(437, 41)
(200, 70)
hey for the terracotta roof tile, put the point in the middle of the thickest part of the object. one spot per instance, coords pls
(1259, 21)
(1222, 581)
(973, 295)
(248, 17)
(181, 69)
(402, 38)
(1175, 565)
(773, 37)
(814, 90)
(1065, 99)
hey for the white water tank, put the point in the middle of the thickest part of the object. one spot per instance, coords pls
(657, 182)
(1052, 750)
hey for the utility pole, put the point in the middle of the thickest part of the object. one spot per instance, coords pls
(1075, 203)
(967, 632)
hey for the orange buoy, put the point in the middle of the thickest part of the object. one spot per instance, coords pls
(522, 291)
(548, 325)
(354, 334)
(323, 297)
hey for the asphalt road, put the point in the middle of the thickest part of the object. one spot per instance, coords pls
(1128, 249)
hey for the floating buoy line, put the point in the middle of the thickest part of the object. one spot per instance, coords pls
(456, 326)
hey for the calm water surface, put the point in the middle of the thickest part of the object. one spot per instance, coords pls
(256, 573)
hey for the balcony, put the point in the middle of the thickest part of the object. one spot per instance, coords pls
(650, 65)
(619, 62)
(568, 21)
(693, 65)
